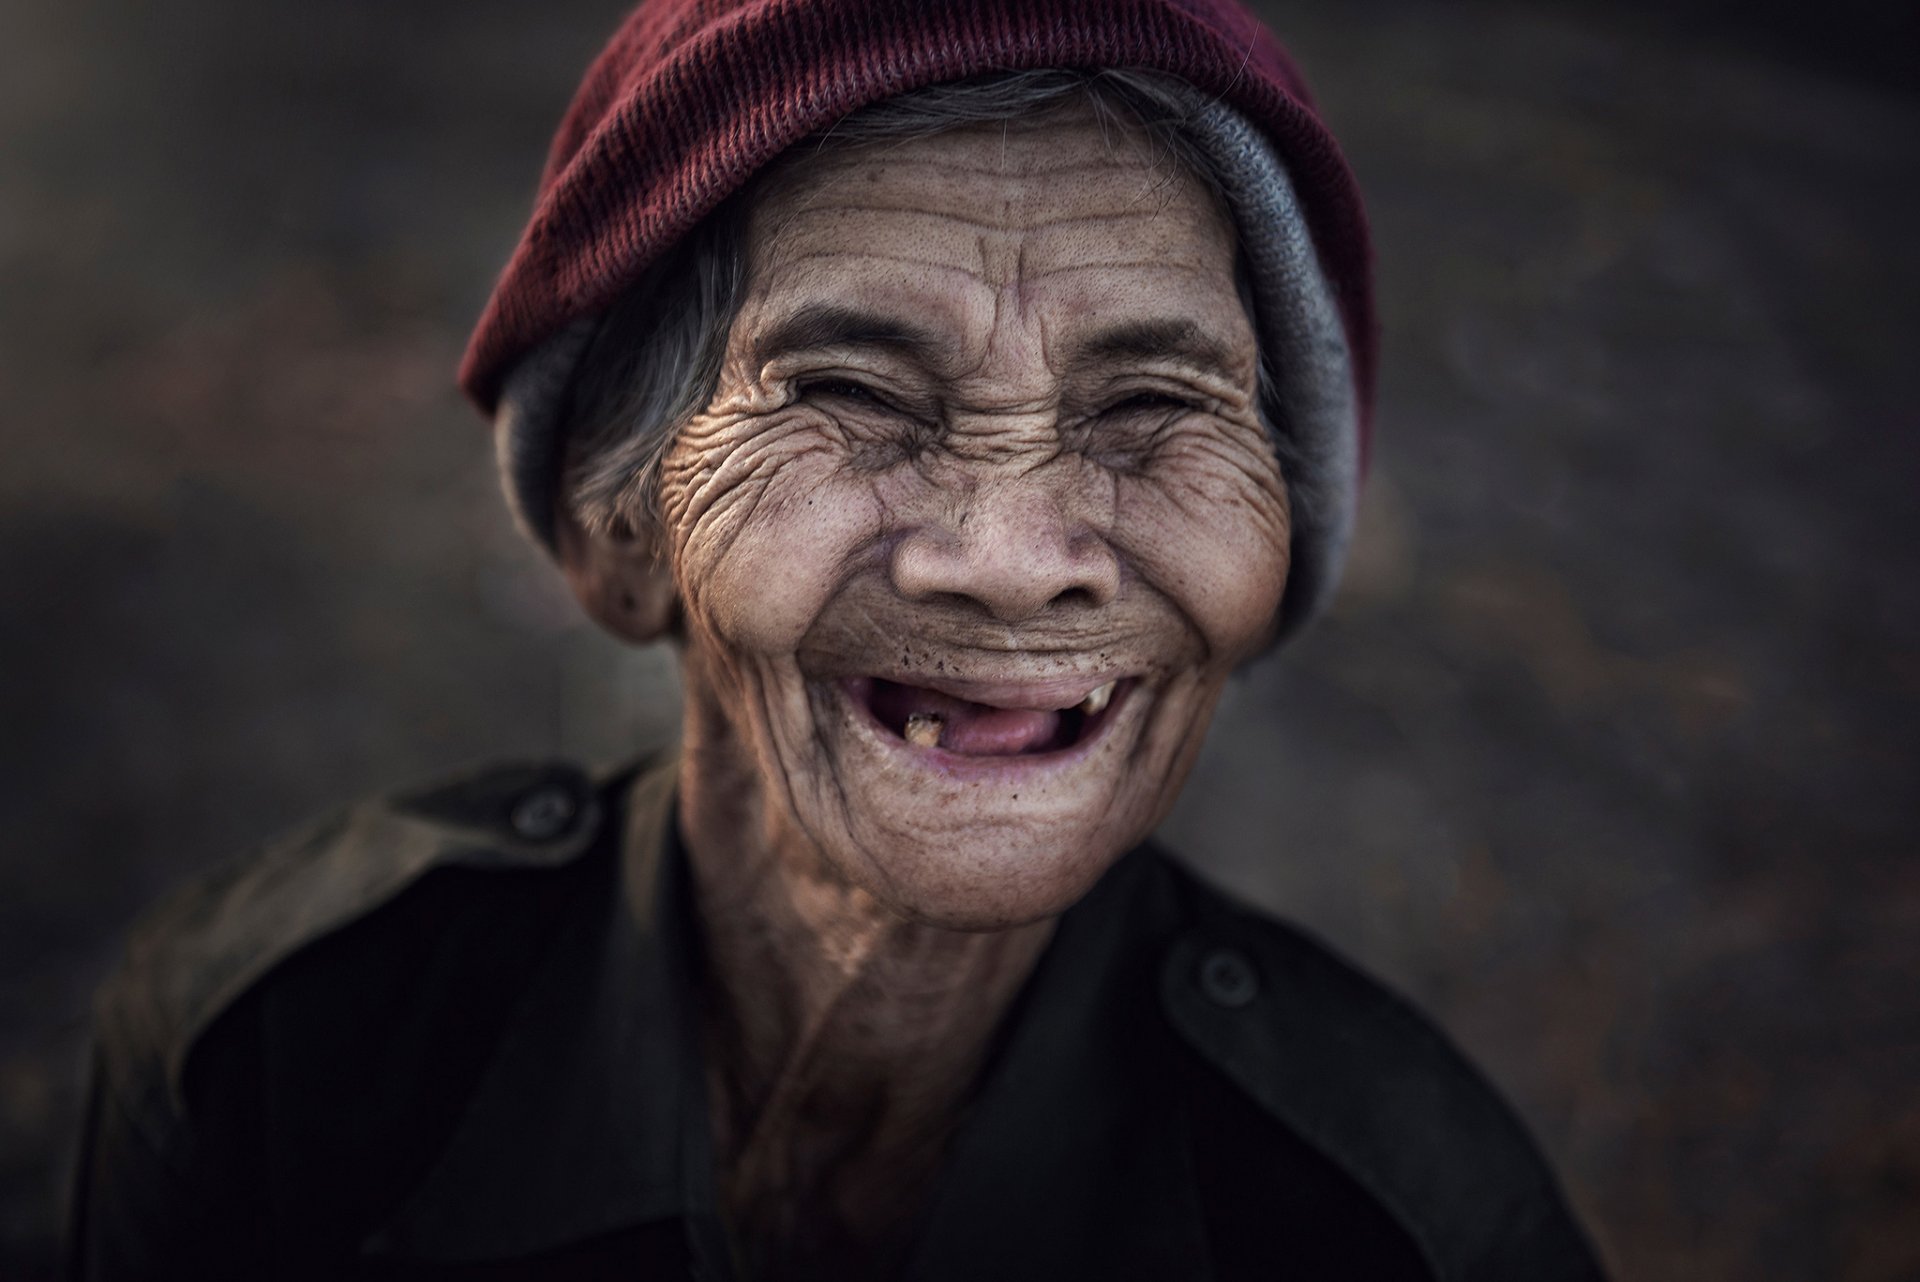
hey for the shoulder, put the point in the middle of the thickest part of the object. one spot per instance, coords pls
(1353, 1070)
(218, 939)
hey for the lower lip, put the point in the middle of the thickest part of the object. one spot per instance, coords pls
(960, 765)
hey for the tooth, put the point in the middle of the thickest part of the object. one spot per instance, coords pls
(1097, 700)
(923, 729)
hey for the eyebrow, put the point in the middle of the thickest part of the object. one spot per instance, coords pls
(818, 325)
(1184, 340)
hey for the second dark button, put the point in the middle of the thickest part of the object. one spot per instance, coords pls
(1228, 978)
(544, 813)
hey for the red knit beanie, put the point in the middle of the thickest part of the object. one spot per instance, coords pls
(692, 97)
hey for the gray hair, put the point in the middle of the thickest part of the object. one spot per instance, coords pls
(654, 359)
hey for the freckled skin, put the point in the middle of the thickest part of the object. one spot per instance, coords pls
(1002, 498)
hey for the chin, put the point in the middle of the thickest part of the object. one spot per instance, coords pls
(977, 841)
(965, 883)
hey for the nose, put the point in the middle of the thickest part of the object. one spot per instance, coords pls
(1012, 548)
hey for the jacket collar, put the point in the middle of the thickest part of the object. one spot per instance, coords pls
(575, 1128)
(590, 1117)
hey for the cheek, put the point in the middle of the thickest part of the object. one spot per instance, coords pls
(1208, 524)
(764, 517)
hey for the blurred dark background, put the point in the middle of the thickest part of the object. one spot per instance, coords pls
(1607, 756)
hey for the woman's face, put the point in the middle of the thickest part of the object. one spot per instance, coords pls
(982, 515)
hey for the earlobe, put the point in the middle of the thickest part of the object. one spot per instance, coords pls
(620, 578)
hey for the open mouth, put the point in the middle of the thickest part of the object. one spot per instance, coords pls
(929, 718)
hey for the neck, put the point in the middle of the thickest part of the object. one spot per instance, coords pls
(842, 1038)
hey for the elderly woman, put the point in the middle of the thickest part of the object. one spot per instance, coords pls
(966, 390)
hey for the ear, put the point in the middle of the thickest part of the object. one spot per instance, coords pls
(620, 577)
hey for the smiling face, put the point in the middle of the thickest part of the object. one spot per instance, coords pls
(982, 514)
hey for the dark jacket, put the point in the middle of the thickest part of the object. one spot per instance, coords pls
(450, 1036)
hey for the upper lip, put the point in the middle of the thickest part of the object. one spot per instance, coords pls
(1044, 694)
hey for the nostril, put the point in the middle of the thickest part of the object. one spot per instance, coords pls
(1075, 597)
(1012, 556)
(1011, 587)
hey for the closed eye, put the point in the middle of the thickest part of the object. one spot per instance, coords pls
(881, 432)
(1149, 403)
(844, 390)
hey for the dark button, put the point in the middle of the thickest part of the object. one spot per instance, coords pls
(1228, 978)
(544, 813)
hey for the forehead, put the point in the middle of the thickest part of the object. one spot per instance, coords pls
(1072, 216)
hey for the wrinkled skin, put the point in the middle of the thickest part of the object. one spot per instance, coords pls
(986, 424)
